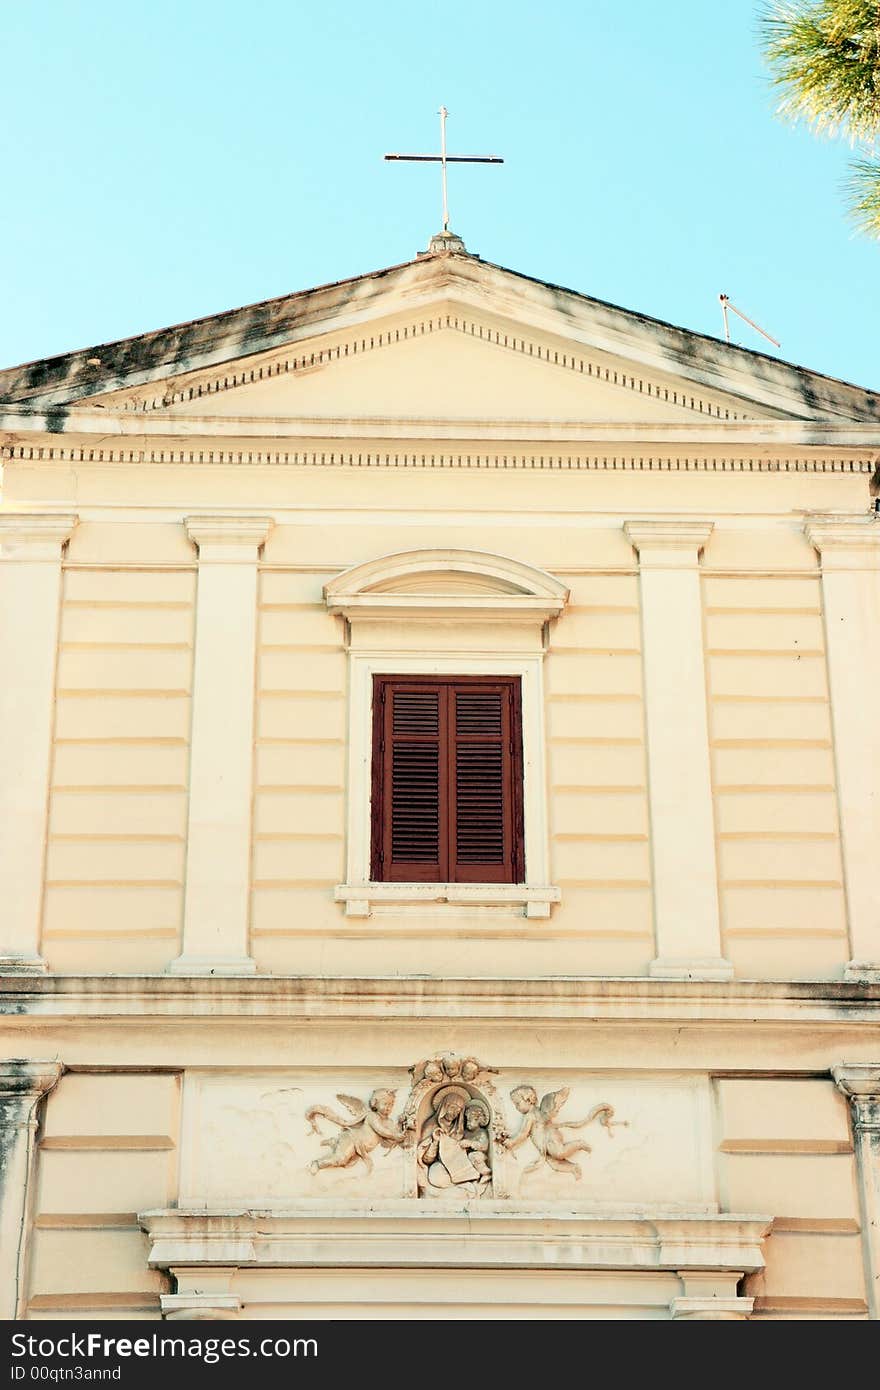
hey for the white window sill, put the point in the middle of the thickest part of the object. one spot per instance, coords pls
(361, 898)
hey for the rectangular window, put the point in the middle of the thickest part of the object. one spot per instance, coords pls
(447, 780)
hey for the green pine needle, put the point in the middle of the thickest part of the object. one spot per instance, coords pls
(825, 59)
(862, 189)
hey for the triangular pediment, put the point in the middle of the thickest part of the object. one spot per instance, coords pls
(445, 337)
(446, 365)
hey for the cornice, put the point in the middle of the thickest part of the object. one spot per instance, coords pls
(91, 427)
(561, 999)
(490, 1235)
(431, 458)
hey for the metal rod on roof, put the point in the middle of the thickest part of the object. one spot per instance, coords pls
(726, 304)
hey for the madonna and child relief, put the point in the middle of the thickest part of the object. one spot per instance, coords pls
(449, 1130)
(453, 1131)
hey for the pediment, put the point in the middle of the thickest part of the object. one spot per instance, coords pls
(446, 337)
(446, 582)
(446, 366)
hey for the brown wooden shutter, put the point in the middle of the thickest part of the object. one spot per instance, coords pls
(447, 780)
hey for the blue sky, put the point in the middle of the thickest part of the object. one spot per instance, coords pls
(164, 160)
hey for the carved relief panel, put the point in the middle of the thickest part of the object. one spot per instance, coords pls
(451, 1130)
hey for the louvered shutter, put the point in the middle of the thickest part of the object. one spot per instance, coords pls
(447, 780)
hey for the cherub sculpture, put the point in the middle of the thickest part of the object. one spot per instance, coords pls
(360, 1135)
(541, 1125)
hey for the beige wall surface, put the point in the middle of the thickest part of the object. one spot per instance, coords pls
(685, 570)
(116, 850)
(112, 1146)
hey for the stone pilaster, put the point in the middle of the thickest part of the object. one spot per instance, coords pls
(860, 1083)
(850, 552)
(685, 884)
(31, 547)
(22, 1086)
(215, 925)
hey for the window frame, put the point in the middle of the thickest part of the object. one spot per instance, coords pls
(381, 803)
(364, 896)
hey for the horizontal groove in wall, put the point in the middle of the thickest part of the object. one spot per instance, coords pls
(112, 933)
(133, 1302)
(125, 646)
(292, 836)
(588, 742)
(628, 884)
(294, 883)
(775, 1303)
(786, 1146)
(135, 604)
(394, 928)
(278, 694)
(133, 741)
(769, 699)
(783, 743)
(713, 611)
(786, 933)
(591, 838)
(299, 742)
(761, 653)
(573, 652)
(760, 788)
(128, 693)
(110, 1142)
(618, 789)
(97, 837)
(603, 609)
(305, 648)
(282, 788)
(140, 789)
(87, 1221)
(114, 883)
(315, 607)
(817, 1225)
(606, 698)
(778, 836)
(773, 882)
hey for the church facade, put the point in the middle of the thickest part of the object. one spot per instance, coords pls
(439, 817)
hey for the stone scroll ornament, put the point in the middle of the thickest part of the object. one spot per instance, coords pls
(541, 1124)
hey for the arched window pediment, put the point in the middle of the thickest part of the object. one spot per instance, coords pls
(459, 583)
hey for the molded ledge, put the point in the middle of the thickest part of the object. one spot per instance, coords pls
(361, 898)
(690, 968)
(213, 965)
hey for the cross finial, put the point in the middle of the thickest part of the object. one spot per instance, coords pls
(443, 159)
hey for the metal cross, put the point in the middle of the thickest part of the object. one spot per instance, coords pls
(443, 159)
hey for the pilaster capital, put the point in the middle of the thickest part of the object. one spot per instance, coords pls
(860, 1083)
(29, 536)
(668, 544)
(228, 540)
(845, 542)
(25, 1080)
(200, 1307)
